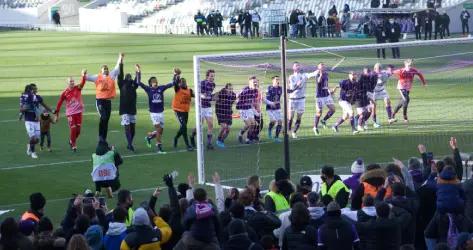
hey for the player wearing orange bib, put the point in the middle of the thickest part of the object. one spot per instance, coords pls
(181, 105)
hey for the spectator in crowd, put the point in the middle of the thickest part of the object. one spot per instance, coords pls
(368, 212)
(305, 185)
(415, 171)
(394, 33)
(417, 25)
(345, 22)
(293, 21)
(255, 20)
(439, 25)
(316, 210)
(430, 4)
(212, 23)
(322, 23)
(446, 24)
(11, 238)
(333, 11)
(301, 23)
(247, 23)
(117, 230)
(357, 169)
(45, 239)
(78, 242)
(428, 18)
(450, 194)
(386, 3)
(464, 241)
(468, 189)
(381, 37)
(238, 237)
(276, 201)
(312, 23)
(94, 236)
(332, 188)
(445, 228)
(371, 181)
(219, 22)
(143, 235)
(284, 218)
(438, 4)
(36, 211)
(199, 20)
(337, 233)
(241, 22)
(331, 26)
(346, 8)
(254, 183)
(300, 235)
(464, 18)
(383, 232)
(106, 160)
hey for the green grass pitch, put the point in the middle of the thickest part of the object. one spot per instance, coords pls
(442, 109)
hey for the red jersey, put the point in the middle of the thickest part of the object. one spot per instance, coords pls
(73, 98)
(406, 78)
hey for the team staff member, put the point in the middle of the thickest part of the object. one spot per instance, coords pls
(127, 112)
(181, 104)
(104, 93)
(74, 108)
(333, 188)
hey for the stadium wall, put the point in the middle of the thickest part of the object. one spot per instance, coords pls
(19, 16)
(99, 20)
(454, 13)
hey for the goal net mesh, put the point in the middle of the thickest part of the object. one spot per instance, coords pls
(442, 109)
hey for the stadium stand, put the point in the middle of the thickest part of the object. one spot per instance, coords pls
(11, 4)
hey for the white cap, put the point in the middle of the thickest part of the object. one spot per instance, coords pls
(358, 166)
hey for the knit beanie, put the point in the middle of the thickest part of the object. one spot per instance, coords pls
(358, 166)
(141, 218)
(280, 174)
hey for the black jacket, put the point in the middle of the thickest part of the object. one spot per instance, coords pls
(468, 187)
(393, 32)
(408, 205)
(337, 234)
(247, 19)
(241, 242)
(174, 221)
(262, 222)
(321, 21)
(438, 226)
(127, 93)
(427, 206)
(293, 18)
(381, 233)
(305, 239)
(464, 16)
(380, 33)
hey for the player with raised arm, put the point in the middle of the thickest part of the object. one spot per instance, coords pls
(127, 111)
(404, 85)
(72, 95)
(380, 92)
(346, 100)
(181, 104)
(155, 94)
(273, 108)
(207, 87)
(245, 101)
(324, 98)
(224, 100)
(297, 92)
(30, 103)
(104, 93)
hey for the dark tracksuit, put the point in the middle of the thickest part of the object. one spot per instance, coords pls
(394, 33)
(127, 102)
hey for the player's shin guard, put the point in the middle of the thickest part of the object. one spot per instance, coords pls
(278, 130)
(389, 111)
(328, 115)
(298, 124)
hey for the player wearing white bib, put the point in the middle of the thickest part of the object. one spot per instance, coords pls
(297, 91)
(380, 92)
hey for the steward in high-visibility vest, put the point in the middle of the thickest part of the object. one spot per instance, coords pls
(277, 200)
(333, 188)
(105, 162)
(370, 183)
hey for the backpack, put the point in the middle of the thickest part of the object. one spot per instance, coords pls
(452, 234)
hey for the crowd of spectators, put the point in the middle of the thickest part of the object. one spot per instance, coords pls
(421, 205)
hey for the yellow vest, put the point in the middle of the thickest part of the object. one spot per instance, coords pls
(334, 189)
(280, 202)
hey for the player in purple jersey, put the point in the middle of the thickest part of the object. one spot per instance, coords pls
(273, 108)
(362, 101)
(346, 99)
(324, 97)
(30, 103)
(207, 87)
(224, 100)
(156, 108)
(245, 103)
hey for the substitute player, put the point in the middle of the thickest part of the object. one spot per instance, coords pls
(181, 104)
(245, 101)
(156, 108)
(324, 97)
(74, 108)
(30, 103)
(297, 92)
(207, 87)
(404, 85)
(347, 87)
(104, 93)
(273, 108)
(127, 110)
(380, 92)
(224, 100)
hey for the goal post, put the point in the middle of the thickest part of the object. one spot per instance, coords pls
(235, 162)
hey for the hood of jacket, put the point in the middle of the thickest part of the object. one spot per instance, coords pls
(370, 211)
(374, 177)
(116, 228)
(316, 212)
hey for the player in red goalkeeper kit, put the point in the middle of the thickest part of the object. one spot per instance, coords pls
(406, 77)
(74, 108)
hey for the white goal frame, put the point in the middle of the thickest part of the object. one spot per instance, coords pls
(276, 53)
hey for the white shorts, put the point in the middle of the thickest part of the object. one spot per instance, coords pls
(324, 101)
(127, 119)
(157, 118)
(370, 96)
(381, 95)
(346, 108)
(274, 115)
(297, 105)
(206, 113)
(32, 129)
(247, 114)
(362, 109)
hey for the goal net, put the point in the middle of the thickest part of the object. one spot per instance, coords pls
(442, 109)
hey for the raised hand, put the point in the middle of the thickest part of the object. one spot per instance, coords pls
(453, 143)
(156, 192)
(137, 68)
(177, 71)
(398, 163)
(190, 180)
(84, 72)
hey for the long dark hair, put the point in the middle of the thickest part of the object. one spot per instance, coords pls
(10, 232)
